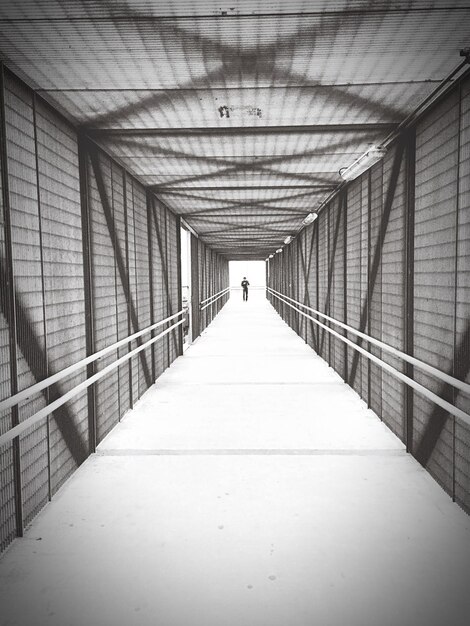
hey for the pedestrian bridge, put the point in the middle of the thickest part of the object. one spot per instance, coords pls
(248, 486)
(169, 454)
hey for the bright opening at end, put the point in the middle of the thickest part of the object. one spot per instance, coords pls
(255, 272)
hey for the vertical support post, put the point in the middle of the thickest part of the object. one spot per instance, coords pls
(288, 291)
(116, 308)
(135, 315)
(409, 281)
(330, 268)
(213, 306)
(286, 257)
(297, 282)
(293, 256)
(88, 286)
(46, 391)
(288, 282)
(195, 312)
(315, 328)
(345, 278)
(180, 287)
(151, 287)
(166, 267)
(10, 306)
(282, 264)
(128, 286)
(456, 365)
(267, 278)
(369, 289)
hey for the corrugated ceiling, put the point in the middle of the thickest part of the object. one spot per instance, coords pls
(239, 116)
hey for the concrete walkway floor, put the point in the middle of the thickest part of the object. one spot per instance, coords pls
(249, 487)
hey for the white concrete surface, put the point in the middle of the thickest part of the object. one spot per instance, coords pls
(250, 487)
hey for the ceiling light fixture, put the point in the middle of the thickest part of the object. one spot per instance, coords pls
(311, 217)
(278, 250)
(271, 256)
(288, 239)
(362, 164)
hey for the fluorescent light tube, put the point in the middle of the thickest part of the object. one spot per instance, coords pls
(362, 164)
(311, 217)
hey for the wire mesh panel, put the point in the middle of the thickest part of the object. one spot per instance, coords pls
(462, 338)
(301, 271)
(158, 289)
(103, 259)
(27, 267)
(121, 284)
(277, 281)
(292, 315)
(298, 288)
(202, 285)
(280, 280)
(132, 279)
(195, 287)
(213, 265)
(375, 282)
(173, 278)
(285, 270)
(365, 325)
(207, 284)
(393, 287)
(354, 264)
(323, 280)
(144, 358)
(209, 276)
(166, 283)
(217, 283)
(7, 484)
(64, 306)
(434, 283)
(338, 288)
(210, 287)
(313, 285)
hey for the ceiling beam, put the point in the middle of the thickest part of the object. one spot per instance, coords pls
(239, 130)
(161, 189)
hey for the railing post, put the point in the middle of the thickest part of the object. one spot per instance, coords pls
(10, 306)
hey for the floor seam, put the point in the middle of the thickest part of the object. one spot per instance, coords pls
(252, 452)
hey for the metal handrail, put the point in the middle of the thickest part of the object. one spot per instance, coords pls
(215, 298)
(50, 380)
(15, 431)
(447, 378)
(214, 295)
(450, 408)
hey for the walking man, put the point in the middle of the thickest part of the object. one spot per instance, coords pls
(245, 284)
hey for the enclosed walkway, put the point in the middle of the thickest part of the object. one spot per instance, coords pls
(250, 486)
